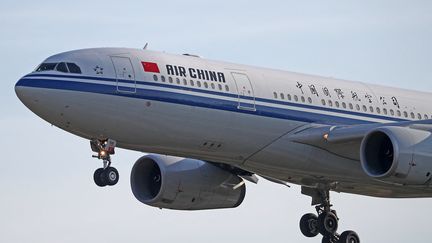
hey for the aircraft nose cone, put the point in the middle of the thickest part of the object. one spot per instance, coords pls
(19, 90)
(23, 91)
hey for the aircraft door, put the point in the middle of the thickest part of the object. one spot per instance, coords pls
(125, 74)
(246, 97)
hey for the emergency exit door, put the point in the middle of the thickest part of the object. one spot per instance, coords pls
(246, 97)
(125, 74)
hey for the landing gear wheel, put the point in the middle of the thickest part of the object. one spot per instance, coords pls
(349, 236)
(106, 176)
(327, 223)
(110, 176)
(98, 178)
(308, 225)
(326, 239)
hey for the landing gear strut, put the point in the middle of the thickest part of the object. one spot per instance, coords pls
(107, 175)
(326, 221)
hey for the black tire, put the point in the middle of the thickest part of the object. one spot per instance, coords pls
(98, 178)
(349, 236)
(326, 239)
(111, 176)
(309, 225)
(327, 223)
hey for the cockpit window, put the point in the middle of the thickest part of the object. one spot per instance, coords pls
(61, 67)
(46, 67)
(73, 68)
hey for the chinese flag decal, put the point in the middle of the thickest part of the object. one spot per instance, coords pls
(150, 67)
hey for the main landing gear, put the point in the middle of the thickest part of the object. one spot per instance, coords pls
(107, 175)
(325, 222)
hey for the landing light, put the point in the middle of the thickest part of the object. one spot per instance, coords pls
(326, 136)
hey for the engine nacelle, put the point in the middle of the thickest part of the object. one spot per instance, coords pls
(398, 154)
(184, 184)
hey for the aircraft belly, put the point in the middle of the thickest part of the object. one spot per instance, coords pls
(160, 127)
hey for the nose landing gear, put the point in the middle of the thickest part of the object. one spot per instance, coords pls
(326, 223)
(107, 175)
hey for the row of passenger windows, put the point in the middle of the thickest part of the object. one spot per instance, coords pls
(191, 83)
(351, 106)
(61, 67)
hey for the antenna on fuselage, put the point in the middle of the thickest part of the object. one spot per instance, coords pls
(145, 46)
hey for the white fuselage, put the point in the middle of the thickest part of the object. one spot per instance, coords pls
(216, 111)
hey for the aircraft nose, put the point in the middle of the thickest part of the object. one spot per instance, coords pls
(19, 89)
(23, 90)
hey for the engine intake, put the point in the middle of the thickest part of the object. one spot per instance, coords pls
(397, 154)
(184, 184)
(379, 154)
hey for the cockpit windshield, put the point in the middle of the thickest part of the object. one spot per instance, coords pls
(64, 67)
(46, 67)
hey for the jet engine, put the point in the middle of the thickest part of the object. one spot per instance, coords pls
(184, 184)
(399, 155)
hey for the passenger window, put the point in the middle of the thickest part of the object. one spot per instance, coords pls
(399, 113)
(344, 105)
(295, 98)
(220, 86)
(177, 80)
(385, 111)
(282, 96)
(392, 112)
(330, 103)
(288, 96)
(275, 95)
(206, 85)
(412, 115)
(358, 107)
(364, 108)
(73, 68)
(351, 106)
(426, 117)
(212, 85)
(163, 78)
(378, 110)
(61, 67)
(199, 84)
(405, 114)
(184, 81)
(337, 104)
(226, 87)
(170, 80)
(310, 100)
(323, 102)
(192, 82)
(371, 109)
(155, 77)
(419, 116)
(303, 99)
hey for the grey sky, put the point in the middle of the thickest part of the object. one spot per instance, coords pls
(46, 187)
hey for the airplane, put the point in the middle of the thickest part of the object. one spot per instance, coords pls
(209, 126)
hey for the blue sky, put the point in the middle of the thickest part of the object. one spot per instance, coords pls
(46, 187)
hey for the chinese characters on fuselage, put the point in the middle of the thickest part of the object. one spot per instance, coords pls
(340, 94)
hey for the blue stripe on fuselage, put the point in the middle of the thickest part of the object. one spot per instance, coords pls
(193, 100)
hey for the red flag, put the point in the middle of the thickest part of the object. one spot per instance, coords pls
(150, 67)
